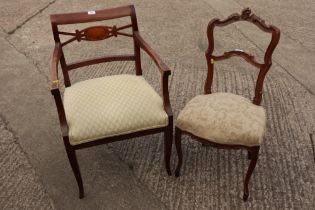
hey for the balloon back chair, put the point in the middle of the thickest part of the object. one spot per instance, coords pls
(111, 108)
(226, 120)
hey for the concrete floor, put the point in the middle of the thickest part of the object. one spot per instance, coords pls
(176, 29)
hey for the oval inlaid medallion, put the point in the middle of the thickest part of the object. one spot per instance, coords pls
(96, 33)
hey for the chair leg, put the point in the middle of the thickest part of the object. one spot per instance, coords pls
(254, 157)
(178, 137)
(168, 141)
(76, 170)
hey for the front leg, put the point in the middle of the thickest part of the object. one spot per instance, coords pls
(254, 157)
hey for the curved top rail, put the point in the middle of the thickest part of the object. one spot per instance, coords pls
(90, 16)
(248, 16)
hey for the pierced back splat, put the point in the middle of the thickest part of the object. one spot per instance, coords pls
(95, 33)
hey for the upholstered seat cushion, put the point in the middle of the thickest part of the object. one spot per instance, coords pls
(111, 106)
(223, 118)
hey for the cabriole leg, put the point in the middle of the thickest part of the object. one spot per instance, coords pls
(254, 156)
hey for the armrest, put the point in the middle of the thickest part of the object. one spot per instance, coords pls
(164, 69)
(54, 68)
(165, 94)
(54, 88)
(155, 57)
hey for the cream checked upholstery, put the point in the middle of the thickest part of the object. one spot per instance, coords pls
(111, 106)
(224, 118)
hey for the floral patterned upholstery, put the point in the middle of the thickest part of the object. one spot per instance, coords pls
(223, 118)
(111, 106)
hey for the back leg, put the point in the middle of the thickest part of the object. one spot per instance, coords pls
(168, 141)
(178, 142)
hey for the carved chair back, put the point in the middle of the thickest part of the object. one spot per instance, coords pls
(95, 33)
(264, 67)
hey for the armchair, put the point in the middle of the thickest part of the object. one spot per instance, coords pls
(112, 108)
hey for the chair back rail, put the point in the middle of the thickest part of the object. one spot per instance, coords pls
(264, 67)
(127, 57)
(95, 33)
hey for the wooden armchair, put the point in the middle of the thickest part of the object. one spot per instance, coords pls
(226, 120)
(111, 108)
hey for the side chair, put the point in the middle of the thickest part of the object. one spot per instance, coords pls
(111, 108)
(226, 120)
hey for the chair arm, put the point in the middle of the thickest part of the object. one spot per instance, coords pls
(155, 57)
(54, 88)
(61, 113)
(54, 68)
(164, 69)
(165, 94)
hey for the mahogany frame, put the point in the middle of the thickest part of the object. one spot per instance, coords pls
(246, 15)
(95, 34)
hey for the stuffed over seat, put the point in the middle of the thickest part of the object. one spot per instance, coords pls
(223, 118)
(111, 106)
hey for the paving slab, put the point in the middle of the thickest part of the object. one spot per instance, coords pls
(14, 13)
(28, 107)
(2, 33)
(19, 183)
